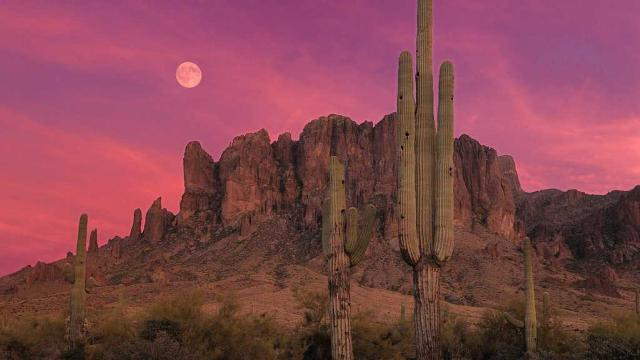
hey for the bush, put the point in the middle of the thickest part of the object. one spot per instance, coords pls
(177, 328)
(619, 339)
(31, 337)
(371, 340)
(229, 335)
(457, 338)
(497, 338)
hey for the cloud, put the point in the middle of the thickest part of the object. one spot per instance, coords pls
(92, 118)
(59, 174)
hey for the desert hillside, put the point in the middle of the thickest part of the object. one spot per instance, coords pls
(249, 224)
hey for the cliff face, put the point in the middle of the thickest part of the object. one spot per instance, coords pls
(262, 199)
(255, 179)
(601, 228)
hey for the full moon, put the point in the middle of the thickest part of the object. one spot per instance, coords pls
(188, 74)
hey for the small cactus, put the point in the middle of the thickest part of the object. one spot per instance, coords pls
(345, 237)
(77, 311)
(530, 321)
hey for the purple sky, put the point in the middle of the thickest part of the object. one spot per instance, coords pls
(92, 119)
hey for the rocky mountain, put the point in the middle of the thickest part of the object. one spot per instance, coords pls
(258, 208)
(256, 179)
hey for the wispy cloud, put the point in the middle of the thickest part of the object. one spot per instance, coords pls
(93, 120)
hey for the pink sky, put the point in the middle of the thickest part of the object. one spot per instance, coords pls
(92, 119)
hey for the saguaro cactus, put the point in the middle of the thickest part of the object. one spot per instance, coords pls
(78, 293)
(425, 181)
(345, 238)
(530, 322)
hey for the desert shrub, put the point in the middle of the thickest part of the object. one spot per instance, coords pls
(496, 338)
(32, 337)
(310, 340)
(112, 326)
(177, 328)
(618, 339)
(178, 315)
(370, 339)
(554, 342)
(230, 335)
(457, 337)
(163, 347)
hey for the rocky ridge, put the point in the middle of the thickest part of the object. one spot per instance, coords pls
(259, 207)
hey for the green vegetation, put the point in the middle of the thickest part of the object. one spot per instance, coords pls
(178, 328)
(618, 339)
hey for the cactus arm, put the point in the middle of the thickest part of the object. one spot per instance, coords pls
(356, 246)
(405, 132)
(512, 320)
(351, 220)
(425, 127)
(443, 239)
(326, 226)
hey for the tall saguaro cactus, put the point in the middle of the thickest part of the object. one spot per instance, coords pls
(425, 181)
(530, 321)
(78, 294)
(345, 237)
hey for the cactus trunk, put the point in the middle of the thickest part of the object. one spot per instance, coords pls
(425, 126)
(530, 321)
(427, 314)
(425, 181)
(78, 294)
(345, 238)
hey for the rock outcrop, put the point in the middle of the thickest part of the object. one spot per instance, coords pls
(136, 227)
(93, 241)
(573, 224)
(43, 272)
(483, 194)
(602, 280)
(156, 222)
(509, 173)
(200, 183)
(273, 191)
(249, 180)
(256, 179)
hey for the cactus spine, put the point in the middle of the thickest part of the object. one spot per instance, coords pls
(530, 322)
(344, 242)
(78, 294)
(425, 181)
